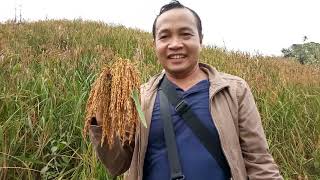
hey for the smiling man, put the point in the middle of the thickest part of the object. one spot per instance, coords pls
(202, 124)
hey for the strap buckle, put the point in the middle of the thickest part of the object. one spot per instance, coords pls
(182, 107)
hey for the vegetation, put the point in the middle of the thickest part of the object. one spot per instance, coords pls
(306, 53)
(48, 67)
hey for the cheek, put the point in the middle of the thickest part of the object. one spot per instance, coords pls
(160, 51)
(196, 49)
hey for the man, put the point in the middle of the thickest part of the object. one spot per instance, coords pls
(223, 104)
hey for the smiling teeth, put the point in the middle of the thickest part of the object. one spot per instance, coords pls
(177, 56)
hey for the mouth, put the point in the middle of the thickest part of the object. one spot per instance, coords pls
(176, 56)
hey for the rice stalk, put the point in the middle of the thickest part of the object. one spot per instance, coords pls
(111, 97)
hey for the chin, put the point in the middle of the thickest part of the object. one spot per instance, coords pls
(176, 70)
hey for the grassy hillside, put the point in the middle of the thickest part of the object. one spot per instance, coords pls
(46, 69)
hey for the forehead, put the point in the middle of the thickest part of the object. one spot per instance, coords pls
(175, 19)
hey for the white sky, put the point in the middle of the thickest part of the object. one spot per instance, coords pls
(264, 26)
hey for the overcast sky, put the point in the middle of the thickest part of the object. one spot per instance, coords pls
(264, 26)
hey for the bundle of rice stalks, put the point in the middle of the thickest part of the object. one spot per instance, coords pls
(111, 95)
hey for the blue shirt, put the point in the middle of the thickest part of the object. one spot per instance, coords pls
(196, 162)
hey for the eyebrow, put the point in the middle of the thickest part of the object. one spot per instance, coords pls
(163, 31)
(186, 29)
(181, 29)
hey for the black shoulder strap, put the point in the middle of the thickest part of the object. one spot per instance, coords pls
(209, 141)
(170, 139)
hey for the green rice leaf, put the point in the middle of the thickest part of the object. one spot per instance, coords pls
(135, 98)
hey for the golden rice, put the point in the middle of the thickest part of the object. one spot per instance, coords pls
(111, 94)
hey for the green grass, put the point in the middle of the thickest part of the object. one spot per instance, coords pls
(46, 69)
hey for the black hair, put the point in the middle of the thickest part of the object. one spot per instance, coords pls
(175, 5)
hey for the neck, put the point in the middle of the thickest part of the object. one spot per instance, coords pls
(187, 80)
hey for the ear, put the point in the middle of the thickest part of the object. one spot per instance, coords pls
(201, 42)
(201, 39)
(154, 44)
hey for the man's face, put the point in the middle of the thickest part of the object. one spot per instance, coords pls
(177, 41)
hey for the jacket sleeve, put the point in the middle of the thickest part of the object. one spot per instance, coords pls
(117, 159)
(258, 161)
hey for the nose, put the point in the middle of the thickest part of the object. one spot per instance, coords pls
(175, 43)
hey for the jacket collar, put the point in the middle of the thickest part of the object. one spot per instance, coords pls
(216, 81)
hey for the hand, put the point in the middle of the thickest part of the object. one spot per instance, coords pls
(98, 118)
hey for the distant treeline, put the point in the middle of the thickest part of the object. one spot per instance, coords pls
(306, 53)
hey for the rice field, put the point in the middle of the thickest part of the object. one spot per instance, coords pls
(47, 69)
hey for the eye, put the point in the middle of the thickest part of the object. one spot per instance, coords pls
(186, 34)
(163, 36)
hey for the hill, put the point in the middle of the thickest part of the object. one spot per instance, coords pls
(47, 68)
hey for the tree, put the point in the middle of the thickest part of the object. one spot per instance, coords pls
(306, 53)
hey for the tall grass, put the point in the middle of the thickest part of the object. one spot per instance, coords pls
(47, 68)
